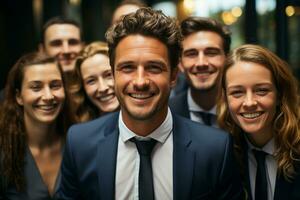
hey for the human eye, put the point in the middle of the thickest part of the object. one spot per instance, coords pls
(56, 85)
(190, 53)
(108, 74)
(236, 93)
(262, 91)
(35, 86)
(155, 68)
(128, 68)
(73, 42)
(56, 43)
(212, 52)
(90, 81)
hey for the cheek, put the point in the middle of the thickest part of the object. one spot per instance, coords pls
(187, 63)
(61, 95)
(110, 83)
(233, 106)
(90, 89)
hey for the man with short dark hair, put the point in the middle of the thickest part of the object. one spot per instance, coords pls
(144, 151)
(62, 37)
(205, 46)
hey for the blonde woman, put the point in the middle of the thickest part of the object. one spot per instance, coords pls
(93, 94)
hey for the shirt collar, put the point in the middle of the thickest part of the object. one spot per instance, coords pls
(193, 107)
(269, 148)
(160, 134)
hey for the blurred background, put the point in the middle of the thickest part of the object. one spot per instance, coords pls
(274, 24)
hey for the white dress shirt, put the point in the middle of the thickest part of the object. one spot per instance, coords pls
(271, 167)
(128, 161)
(193, 107)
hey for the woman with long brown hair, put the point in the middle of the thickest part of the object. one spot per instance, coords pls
(33, 124)
(259, 106)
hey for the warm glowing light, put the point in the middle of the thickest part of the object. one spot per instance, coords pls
(236, 11)
(228, 18)
(290, 11)
(75, 2)
(189, 6)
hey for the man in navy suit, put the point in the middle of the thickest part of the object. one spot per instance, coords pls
(106, 159)
(205, 46)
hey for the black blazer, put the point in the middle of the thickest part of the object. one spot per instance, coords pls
(203, 163)
(179, 105)
(283, 188)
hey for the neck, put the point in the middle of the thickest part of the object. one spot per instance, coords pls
(143, 127)
(41, 135)
(259, 140)
(206, 99)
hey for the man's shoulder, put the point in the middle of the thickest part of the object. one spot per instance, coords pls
(178, 98)
(198, 131)
(95, 128)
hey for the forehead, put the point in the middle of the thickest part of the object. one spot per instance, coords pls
(203, 39)
(97, 62)
(41, 72)
(138, 48)
(248, 73)
(62, 31)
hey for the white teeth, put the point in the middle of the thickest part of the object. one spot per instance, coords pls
(106, 98)
(47, 107)
(251, 115)
(140, 96)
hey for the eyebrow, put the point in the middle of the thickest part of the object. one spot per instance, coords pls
(256, 85)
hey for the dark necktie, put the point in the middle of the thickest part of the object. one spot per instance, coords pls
(146, 191)
(206, 117)
(261, 185)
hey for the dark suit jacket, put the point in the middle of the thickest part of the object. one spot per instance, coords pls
(179, 105)
(203, 163)
(283, 188)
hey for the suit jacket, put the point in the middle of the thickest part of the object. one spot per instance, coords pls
(203, 163)
(284, 189)
(179, 105)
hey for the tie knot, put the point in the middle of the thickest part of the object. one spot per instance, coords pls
(144, 147)
(259, 155)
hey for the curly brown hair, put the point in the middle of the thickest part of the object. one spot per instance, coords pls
(286, 125)
(13, 139)
(147, 22)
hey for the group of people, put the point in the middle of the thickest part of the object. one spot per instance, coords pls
(96, 121)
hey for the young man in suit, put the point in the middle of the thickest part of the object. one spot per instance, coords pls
(62, 38)
(111, 158)
(205, 46)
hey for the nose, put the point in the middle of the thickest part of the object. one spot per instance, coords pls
(141, 81)
(249, 100)
(65, 47)
(202, 59)
(102, 85)
(47, 94)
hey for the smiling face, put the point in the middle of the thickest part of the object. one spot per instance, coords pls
(64, 42)
(143, 78)
(252, 96)
(98, 82)
(202, 59)
(42, 93)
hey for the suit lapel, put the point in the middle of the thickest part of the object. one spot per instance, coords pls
(183, 161)
(107, 155)
(184, 107)
(246, 168)
(283, 188)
